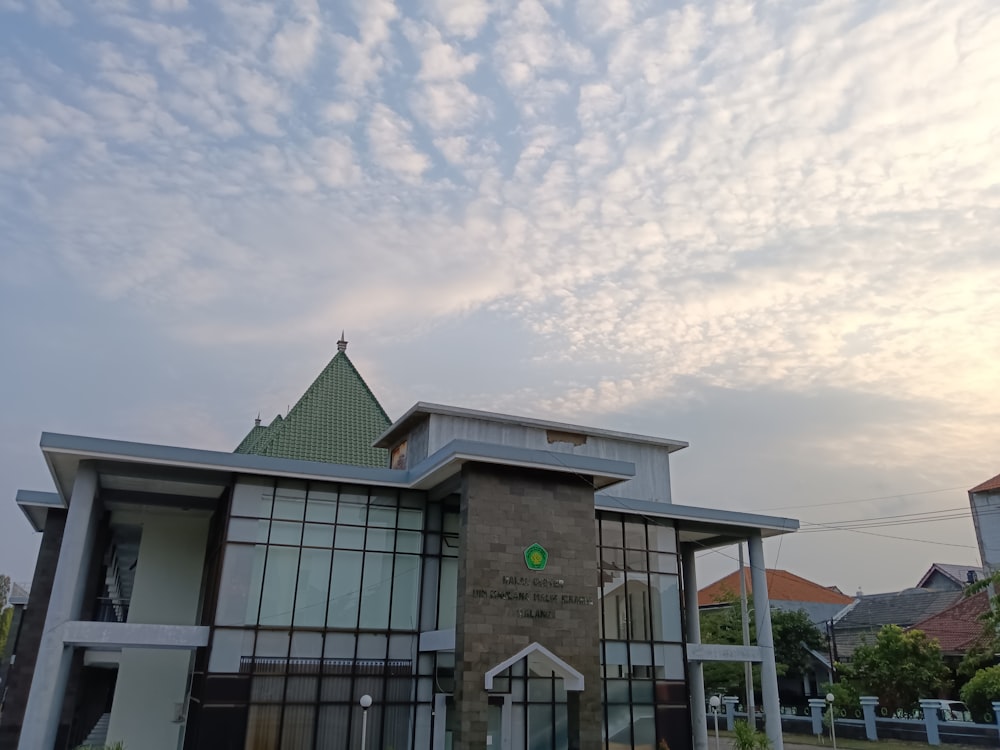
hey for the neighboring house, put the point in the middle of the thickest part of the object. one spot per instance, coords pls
(942, 577)
(959, 627)
(445, 567)
(786, 591)
(789, 592)
(984, 501)
(862, 620)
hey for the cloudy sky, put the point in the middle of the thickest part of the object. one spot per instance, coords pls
(768, 228)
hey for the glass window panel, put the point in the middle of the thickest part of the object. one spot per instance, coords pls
(408, 541)
(562, 727)
(278, 593)
(612, 558)
(410, 519)
(615, 652)
(671, 692)
(284, 532)
(642, 692)
(297, 727)
(301, 690)
(662, 538)
(638, 607)
(310, 598)
(669, 661)
(350, 537)
(306, 645)
(665, 603)
(673, 727)
(345, 589)
(339, 646)
(449, 545)
(402, 646)
(619, 726)
(448, 594)
(635, 559)
(262, 727)
(267, 689)
(615, 620)
(376, 590)
(227, 651)
(256, 583)
(317, 535)
(333, 725)
(611, 533)
(235, 585)
(643, 728)
(617, 691)
(336, 689)
(252, 497)
(322, 506)
(540, 727)
(640, 654)
(405, 592)
(635, 535)
(289, 503)
(247, 530)
(372, 646)
(382, 517)
(380, 540)
(451, 522)
(352, 508)
(662, 563)
(540, 689)
(271, 644)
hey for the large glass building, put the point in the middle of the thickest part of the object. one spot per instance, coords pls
(478, 579)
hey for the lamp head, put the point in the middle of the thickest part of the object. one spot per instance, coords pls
(714, 702)
(829, 697)
(366, 701)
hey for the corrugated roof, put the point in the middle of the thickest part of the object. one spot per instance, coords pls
(958, 573)
(781, 586)
(336, 421)
(902, 608)
(959, 627)
(989, 484)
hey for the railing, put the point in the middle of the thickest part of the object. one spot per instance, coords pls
(111, 609)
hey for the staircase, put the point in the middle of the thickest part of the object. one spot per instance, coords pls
(99, 734)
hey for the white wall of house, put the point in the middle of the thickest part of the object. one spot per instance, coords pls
(151, 693)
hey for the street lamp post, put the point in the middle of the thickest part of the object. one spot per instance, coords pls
(366, 703)
(833, 720)
(714, 702)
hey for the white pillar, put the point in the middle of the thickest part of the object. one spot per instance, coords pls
(762, 617)
(696, 677)
(48, 682)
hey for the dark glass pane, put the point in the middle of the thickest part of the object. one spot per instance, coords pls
(297, 727)
(262, 727)
(635, 535)
(611, 533)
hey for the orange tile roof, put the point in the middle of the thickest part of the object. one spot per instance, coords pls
(989, 484)
(959, 627)
(782, 586)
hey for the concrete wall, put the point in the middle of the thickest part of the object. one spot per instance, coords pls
(652, 479)
(504, 511)
(151, 692)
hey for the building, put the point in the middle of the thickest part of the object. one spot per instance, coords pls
(946, 577)
(984, 501)
(785, 590)
(17, 599)
(485, 580)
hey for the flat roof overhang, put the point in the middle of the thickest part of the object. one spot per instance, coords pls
(423, 409)
(705, 527)
(143, 471)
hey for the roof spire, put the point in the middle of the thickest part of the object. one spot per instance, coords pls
(256, 422)
(342, 344)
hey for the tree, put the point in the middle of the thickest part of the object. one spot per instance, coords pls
(789, 629)
(6, 613)
(900, 668)
(979, 692)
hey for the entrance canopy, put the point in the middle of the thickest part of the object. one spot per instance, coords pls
(539, 654)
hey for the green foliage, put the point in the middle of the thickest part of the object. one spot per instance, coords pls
(746, 737)
(845, 694)
(979, 692)
(789, 630)
(6, 613)
(900, 668)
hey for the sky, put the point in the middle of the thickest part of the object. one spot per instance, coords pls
(767, 228)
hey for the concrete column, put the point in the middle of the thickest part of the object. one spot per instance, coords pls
(48, 683)
(868, 705)
(816, 706)
(696, 676)
(929, 708)
(996, 714)
(730, 702)
(762, 617)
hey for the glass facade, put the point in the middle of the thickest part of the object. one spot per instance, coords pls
(324, 590)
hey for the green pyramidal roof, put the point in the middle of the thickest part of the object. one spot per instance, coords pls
(336, 421)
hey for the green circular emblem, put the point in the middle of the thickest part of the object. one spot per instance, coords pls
(535, 557)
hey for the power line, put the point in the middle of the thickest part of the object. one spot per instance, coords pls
(862, 500)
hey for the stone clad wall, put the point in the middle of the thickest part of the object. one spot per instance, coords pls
(503, 606)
